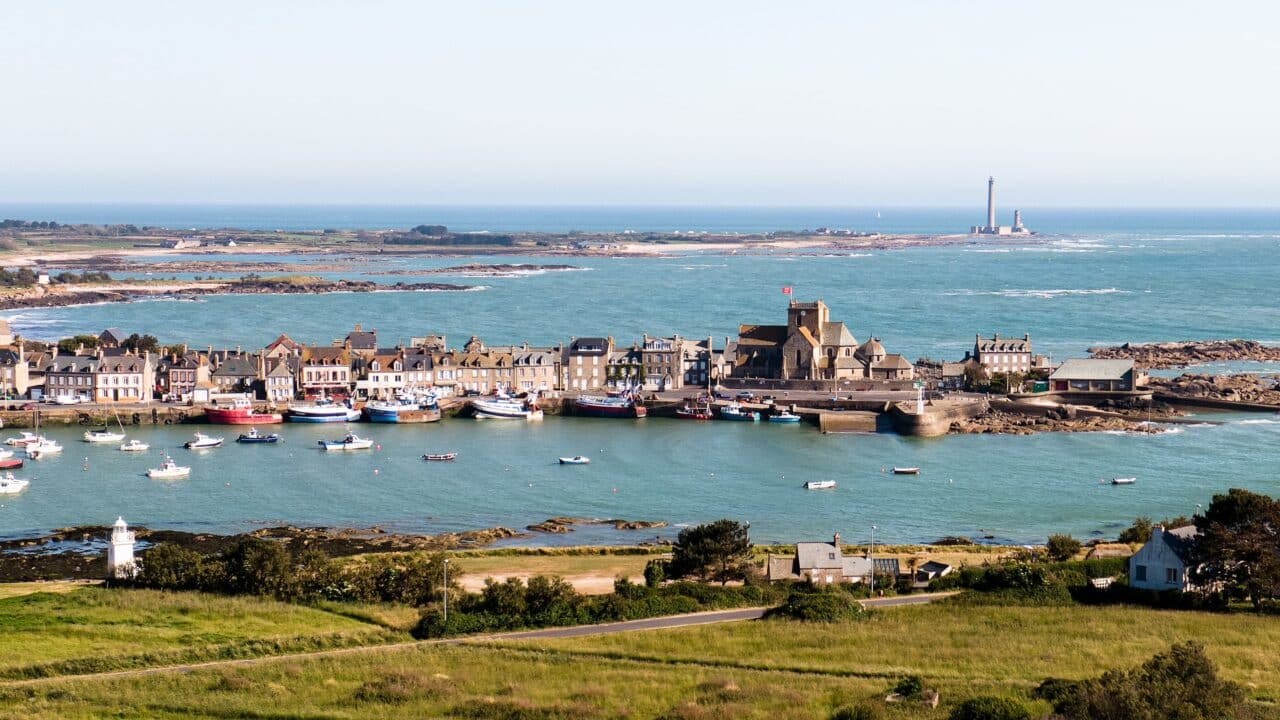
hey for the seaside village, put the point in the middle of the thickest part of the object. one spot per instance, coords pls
(809, 353)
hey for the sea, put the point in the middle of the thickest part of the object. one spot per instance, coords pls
(1090, 277)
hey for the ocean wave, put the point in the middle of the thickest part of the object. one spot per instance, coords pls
(1041, 294)
(1259, 421)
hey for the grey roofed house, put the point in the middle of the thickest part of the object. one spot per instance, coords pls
(1002, 345)
(112, 337)
(1163, 562)
(236, 366)
(589, 346)
(417, 360)
(820, 563)
(359, 339)
(932, 569)
(1091, 369)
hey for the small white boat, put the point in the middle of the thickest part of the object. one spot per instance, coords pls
(168, 470)
(784, 417)
(200, 441)
(575, 460)
(906, 470)
(10, 485)
(135, 446)
(1124, 481)
(24, 438)
(440, 457)
(350, 442)
(43, 447)
(820, 485)
(103, 436)
(6, 454)
(505, 409)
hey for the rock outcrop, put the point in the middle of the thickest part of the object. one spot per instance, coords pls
(1189, 352)
(1255, 389)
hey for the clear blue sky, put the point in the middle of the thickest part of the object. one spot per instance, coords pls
(805, 103)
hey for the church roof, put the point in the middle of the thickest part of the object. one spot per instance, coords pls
(837, 333)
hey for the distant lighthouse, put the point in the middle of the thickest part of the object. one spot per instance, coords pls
(991, 228)
(991, 203)
(120, 562)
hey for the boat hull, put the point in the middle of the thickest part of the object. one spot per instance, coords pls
(410, 415)
(606, 409)
(240, 416)
(307, 417)
(785, 420)
(245, 439)
(10, 464)
(741, 417)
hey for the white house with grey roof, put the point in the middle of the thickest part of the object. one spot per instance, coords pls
(1162, 563)
(1088, 375)
(1002, 354)
(821, 563)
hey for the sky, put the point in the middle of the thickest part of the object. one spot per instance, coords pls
(717, 103)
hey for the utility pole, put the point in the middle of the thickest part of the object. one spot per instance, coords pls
(871, 555)
(446, 592)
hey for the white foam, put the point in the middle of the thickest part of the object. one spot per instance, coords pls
(1042, 294)
(1258, 422)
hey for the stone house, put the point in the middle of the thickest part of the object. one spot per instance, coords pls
(233, 372)
(586, 361)
(359, 342)
(383, 375)
(1161, 564)
(111, 338)
(279, 383)
(625, 370)
(1088, 375)
(821, 563)
(178, 374)
(536, 369)
(325, 372)
(1002, 355)
(14, 372)
(419, 371)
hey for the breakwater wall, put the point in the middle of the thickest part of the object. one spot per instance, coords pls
(1174, 399)
(937, 417)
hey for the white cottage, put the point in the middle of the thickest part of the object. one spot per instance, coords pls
(120, 562)
(1161, 564)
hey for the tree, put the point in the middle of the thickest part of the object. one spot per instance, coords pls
(141, 343)
(1181, 683)
(259, 567)
(718, 551)
(71, 344)
(1002, 383)
(1062, 547)
(1138, 532)
(975, 378)
(655, 571)
(1238, 548)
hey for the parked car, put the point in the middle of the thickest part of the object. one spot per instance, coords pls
(471, 393)
(66, 400)
(745, 395)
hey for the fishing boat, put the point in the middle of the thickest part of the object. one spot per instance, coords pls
(402, 410)
(24, 438)
(323, 412)
(820, 485)
(695, 411)
(905, 470)
(734, 411)
(240, 412)
(42, 448)
(612, 407)
(1124, 481)
(169, 470)
(200, 441)
(505, 409)
(784, 417)
(350, 442)
(253, 436)
(10, 485)
(575, 460)
(102, 436)
(10, 463)
(135, 445)
(440, 457)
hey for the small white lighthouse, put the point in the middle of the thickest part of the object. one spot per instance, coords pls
(120, 563)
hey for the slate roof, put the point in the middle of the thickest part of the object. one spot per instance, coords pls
(236, 366)
(837, 333)
(761, 335)
(363, 340)
(1180, 540)
(113, 334)
(1005, 345)
(589, 346)
(895, 362)
(819, 555)
(1091, 369)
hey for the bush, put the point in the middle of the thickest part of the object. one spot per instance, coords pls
(655, 571)
(910, 686)
(1138, 532)
(1062, 547)
(989, 707)
(856, 712)
(826, 606)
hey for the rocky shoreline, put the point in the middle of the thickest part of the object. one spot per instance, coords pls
(484, 270)
(1160, 356)
(560, 525)
(998, 422)
(121, 292)
(1245, 388)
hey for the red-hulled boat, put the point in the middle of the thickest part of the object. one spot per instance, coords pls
(608, 407)
(240, 412)
(10, 464)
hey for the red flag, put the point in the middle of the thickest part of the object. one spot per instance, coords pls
(786, 290)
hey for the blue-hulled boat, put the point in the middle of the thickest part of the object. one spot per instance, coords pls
(734, 411)
(402, 410)
(784, 417)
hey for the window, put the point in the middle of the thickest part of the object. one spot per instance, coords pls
(1141, 572)
(1171, 575)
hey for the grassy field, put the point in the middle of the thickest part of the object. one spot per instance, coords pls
(740, 670)
(93, 629)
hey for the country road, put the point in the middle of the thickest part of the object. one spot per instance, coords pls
(658, 623)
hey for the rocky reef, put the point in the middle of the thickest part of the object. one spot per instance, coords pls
(1158, 356)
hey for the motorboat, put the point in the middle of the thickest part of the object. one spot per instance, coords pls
(6, 454)
(734, 411)
(1124, 481)
(240, 412)
(103, 436)
(42, 448)
(322, 413)
(350, 442)
(403, 410)
(169, 470)
(617, 407)
(695, 411)
(906, 470)
(575, 460)
(24, 438)
(10, 485)
(135, 445)
(253, 436)
(784, 417)
(10, 463)
(505, 409)
(820, 485)
(440, 457)
(200, 441)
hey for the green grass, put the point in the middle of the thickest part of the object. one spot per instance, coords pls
(96, 629)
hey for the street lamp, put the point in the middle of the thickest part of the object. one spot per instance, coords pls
(872, 557)
(446, 592)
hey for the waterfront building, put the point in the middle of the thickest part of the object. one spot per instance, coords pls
(479, 370)
(359, 342)
(536, 369)
(419, 375)
(586, 361)
(123, 378)
(625, 370)
(820, 563)
(382, 376)
(6, 334)
(177, 374)
(675, 362)
(14, 372)
(1161, 564)
(70, 376)
(1088, 375)
(233, 372)
(37, 364)
(812, 347)
(281, 347)
(111, 338)
(325, 372)
(991, 228)
(1002, 355)
(279, 385)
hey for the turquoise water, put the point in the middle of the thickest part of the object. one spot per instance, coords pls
(1137, 283)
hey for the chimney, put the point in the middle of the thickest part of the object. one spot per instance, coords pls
(357, 328)
(237, 349)
(836, 541)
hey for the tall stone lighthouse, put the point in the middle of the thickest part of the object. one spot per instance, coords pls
(991, 228)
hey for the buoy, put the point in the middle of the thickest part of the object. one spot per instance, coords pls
(615, 489)
(377, 447)
(375, 471)
(226, 484)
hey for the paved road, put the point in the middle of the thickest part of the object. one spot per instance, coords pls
(660, 623)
